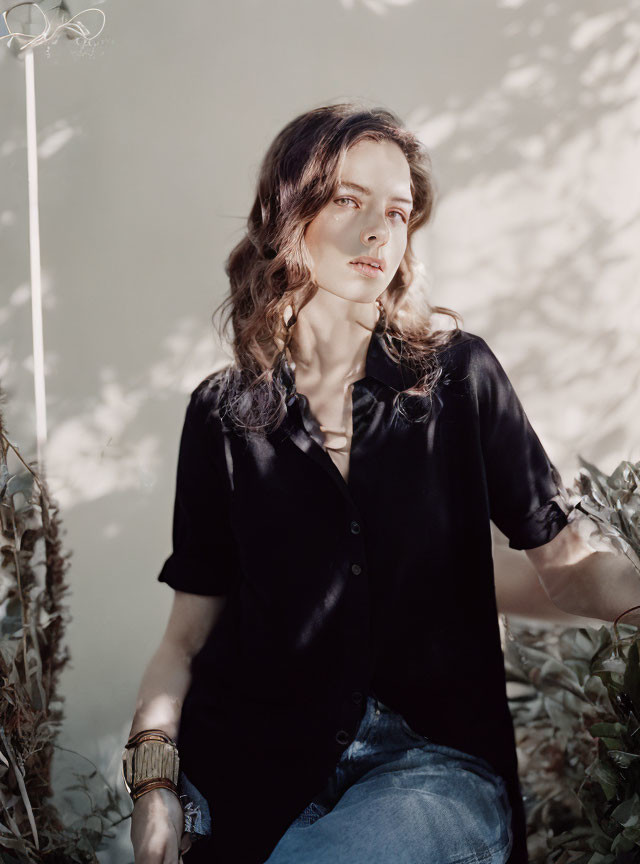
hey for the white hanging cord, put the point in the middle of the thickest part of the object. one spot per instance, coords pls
(30, 42)
(34, 256)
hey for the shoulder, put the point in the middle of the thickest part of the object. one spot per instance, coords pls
(466, 353)
(210, 386)
(470, 363)
(465, 341)
(205, 400)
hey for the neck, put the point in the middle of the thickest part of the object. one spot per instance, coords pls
(332, 335)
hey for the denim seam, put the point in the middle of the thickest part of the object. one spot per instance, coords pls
(491, 850)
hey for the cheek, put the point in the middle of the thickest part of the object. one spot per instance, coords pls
(327, 231)
(400, 246)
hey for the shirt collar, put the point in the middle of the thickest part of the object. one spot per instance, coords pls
(378, 365)
(382, 367)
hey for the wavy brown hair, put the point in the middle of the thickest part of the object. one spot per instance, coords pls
(269, 269)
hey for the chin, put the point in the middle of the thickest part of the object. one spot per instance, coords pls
(356, 294)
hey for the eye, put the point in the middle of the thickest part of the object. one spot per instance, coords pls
(345, 198)
(401, 214)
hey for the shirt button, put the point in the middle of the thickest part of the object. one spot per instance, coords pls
(342, 736)
(356, 696)
(356, 569)
(355, 528)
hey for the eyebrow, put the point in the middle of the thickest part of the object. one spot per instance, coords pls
(356, 186)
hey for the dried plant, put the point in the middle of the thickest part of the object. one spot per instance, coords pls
(32, 625)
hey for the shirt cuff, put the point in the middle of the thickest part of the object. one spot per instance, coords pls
(184, 573)
(538, 527)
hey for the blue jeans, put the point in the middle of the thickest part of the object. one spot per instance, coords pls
(395, 797)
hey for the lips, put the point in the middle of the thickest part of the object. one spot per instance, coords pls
(368, 259)
(367, 266)
(366, 269)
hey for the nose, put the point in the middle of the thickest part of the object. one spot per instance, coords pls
(376, 233)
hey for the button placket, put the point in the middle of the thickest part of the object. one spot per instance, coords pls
(357, 696)
(342, 736)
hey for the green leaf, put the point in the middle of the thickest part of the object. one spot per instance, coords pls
(562, 840)
(622, 759)
(555, 670)
(579, 667)
(628, 813)
(602, 844)
(632, 678)
(632, 833)
(607, 730)
(606, 776)
(612, 743)
(10, 625)
(23, 483)
(558, 715)
(622, 844)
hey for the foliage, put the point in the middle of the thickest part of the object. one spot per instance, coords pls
(612, 502)
(32, 625)
(574, 695)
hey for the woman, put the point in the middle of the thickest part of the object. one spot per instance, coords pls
(332, 670)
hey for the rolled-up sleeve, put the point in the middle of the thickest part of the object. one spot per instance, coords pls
(204, 559)
(521, 479)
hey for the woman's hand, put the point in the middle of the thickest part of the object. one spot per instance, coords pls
(157, 828)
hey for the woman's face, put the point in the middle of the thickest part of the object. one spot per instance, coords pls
(367, 216)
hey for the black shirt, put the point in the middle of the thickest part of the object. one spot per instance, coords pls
(383, 584)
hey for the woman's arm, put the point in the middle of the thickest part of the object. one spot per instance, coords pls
(597, 583)
(167, 676)
(520, 593)
(157, 821)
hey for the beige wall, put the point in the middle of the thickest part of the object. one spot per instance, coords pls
(150, 143)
